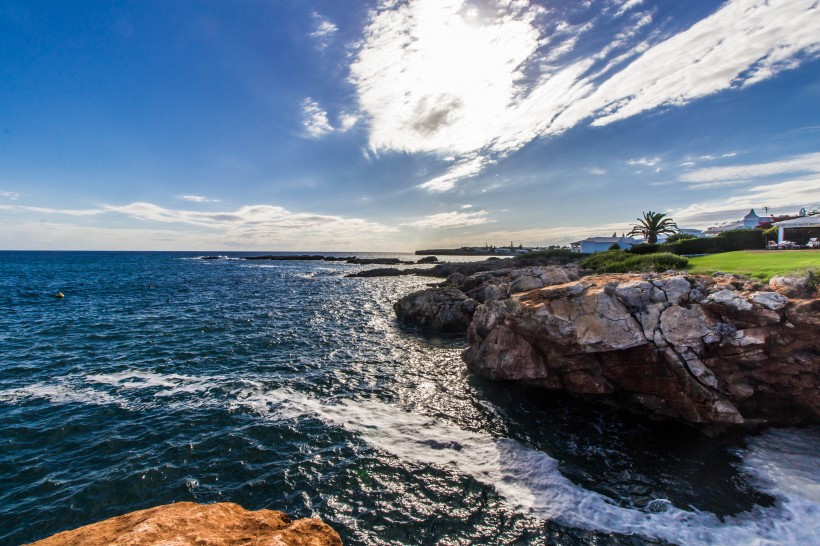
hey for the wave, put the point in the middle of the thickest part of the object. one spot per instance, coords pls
(782, 463)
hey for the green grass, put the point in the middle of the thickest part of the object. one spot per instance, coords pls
(760, 264)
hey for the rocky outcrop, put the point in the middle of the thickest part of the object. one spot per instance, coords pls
(703, 350)
(190, 524)
(442, 309)
(450, 306)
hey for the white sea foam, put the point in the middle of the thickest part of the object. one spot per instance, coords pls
(59, 394)
(170, 384)
(530, 482)
(783, 463)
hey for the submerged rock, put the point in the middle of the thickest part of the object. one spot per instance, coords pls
(190, 524)
(696, 349)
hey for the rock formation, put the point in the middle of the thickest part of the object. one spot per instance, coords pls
(189, 524)
(704, 350)
(450, 307)
(442, 309)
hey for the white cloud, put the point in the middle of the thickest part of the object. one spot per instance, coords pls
(314, 119)
(787, 196)
(323, 31)
(461, 170)
(597, 171)
(645, 161)
(47, 210)
(451, 220)
(347, 121)
(10, 195)
(806, 163)
(434, 77)
(251, 226)
(199, 199)
(317, 124)
(627, 5)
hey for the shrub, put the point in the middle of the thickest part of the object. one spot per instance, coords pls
(618, 261)
(743, 239)
(645, 248)
(738, 239)
(550, 253)
(615, 246)
(677, 237)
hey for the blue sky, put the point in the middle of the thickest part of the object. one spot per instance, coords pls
(395, 125)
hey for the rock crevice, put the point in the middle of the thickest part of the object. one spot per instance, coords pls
(703, 350)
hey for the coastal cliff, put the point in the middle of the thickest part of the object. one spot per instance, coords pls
(710, 351)
(189, 524)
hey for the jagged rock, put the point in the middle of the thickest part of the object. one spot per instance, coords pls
(443, 309)
(698, 349)
(428, 260)
(382, 272)
(190, 524)
(770, 300)
(793, 286)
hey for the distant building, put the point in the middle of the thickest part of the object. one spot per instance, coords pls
(750, 221)
(602, 244)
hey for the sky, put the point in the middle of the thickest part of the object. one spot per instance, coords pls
(394, 125)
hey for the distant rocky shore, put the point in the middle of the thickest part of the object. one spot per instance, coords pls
(712, 351)
(190, 524)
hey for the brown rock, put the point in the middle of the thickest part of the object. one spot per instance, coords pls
(191, 524)
(443, 309)
(691, 348)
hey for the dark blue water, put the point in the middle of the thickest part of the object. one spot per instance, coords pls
(161, 377)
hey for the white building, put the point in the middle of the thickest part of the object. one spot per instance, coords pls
(800, 222)
(602, 244)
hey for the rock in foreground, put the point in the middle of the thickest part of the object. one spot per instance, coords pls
(702, 350)
(189, 524)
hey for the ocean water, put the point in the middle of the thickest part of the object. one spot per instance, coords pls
(161, 377)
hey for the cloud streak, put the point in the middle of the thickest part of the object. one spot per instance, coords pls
(251, 226)
(435, 76)
(451, 220)
(806, 163)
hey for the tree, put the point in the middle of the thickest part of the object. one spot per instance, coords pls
(653, 224)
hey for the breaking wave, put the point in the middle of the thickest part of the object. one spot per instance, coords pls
(782, 463)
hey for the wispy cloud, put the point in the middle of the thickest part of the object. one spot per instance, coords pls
(323, 31)
(317, 124)
(434, 76)
(645, 161)
(786, 196)
(251, 226)
(47, 210)
(597, 171)
(451, 220)
(465, 168)
(10, 195)
(199, 199)
(314, 119)
(801, 164)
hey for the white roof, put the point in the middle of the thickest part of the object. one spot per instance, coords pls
(610, 240)
(805, 221)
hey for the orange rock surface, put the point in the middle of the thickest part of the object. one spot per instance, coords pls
(189, 524)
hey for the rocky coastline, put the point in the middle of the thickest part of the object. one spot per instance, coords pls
(715, 352)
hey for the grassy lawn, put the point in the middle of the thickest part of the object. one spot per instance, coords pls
(761, 264)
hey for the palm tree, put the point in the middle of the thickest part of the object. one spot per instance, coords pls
(653, 224)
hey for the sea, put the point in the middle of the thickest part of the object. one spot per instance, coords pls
(161, 377)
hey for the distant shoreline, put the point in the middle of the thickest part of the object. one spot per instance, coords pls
(454, 252)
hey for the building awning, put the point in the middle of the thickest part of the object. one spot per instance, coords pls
(804, 221)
